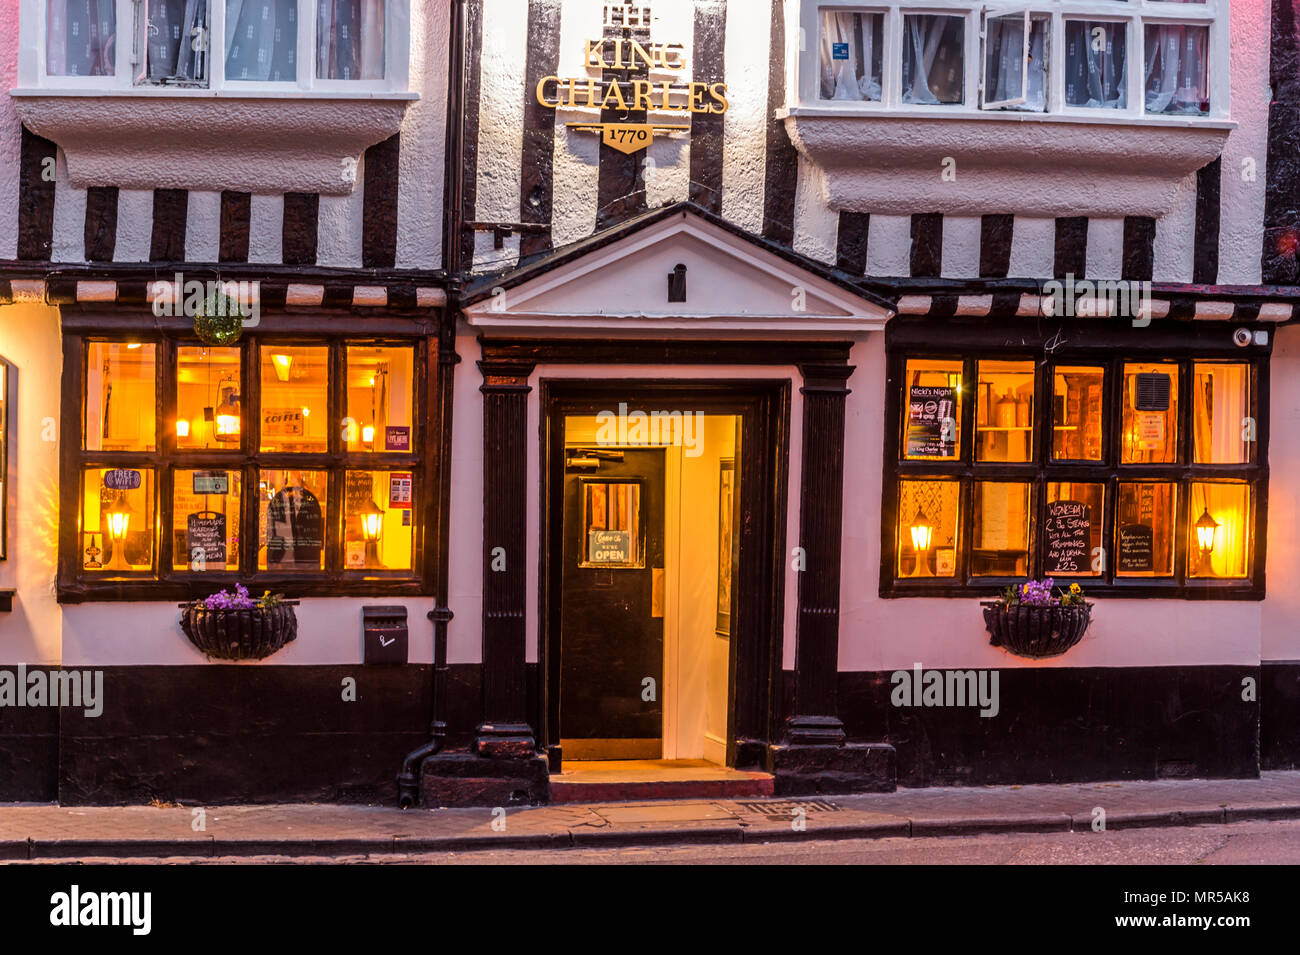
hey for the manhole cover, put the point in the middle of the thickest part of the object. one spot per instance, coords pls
(786, 806)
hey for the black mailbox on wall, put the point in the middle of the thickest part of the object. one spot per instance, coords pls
(384, 634)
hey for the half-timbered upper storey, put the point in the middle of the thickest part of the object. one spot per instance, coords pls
(296, 132)
(1107, 138)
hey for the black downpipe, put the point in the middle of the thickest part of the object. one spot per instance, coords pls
(408, 780)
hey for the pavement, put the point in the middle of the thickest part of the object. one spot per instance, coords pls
(31, 831)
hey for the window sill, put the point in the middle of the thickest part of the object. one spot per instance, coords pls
(140, 589)
(893, 162)
(212, 140)
(1137, 589)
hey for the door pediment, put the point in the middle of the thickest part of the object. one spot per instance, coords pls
(731, 282)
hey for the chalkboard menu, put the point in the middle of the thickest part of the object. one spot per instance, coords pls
(358, 493)
(1067, 538)
(1136, 548)
(295, 533)
(931, 422)
(205, 537)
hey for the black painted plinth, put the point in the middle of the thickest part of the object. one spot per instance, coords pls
(463, 779)
(803, 770)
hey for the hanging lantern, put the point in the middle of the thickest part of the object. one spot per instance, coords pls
(226, 423)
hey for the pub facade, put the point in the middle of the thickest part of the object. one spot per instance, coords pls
(647, 399)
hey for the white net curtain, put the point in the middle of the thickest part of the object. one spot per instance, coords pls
(932, 59)
(1095, 57)
(172, 33)
(79, 37)
(1177, 78)
(350, 39)
(1004, 62)
(852, 50)
(262, 40)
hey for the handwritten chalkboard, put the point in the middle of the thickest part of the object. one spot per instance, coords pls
(205, 537)
(1068, 536)
(295, 529)
(931, 422)
(1136, 548)
(358, 493)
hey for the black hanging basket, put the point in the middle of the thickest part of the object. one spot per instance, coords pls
(1029, 631)
(240, 634)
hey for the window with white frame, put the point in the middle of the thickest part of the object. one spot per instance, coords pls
(1153, 58)
(284, 44)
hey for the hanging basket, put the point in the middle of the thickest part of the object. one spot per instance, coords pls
(240, 634)
(1029, 631)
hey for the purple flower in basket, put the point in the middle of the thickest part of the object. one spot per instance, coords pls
(1037, 593)
(227, 600)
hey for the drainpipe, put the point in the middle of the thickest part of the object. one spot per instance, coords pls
(408, 780)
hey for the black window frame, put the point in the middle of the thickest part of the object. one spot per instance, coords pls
(1111, 349)
(163, 581)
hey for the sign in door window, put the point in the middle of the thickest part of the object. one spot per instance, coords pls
(611, 521)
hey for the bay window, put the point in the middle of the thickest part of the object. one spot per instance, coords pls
(284, 44)
(291, 465)
(1130, 57)
(1131, 475)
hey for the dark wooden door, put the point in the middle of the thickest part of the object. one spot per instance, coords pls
(611, 623)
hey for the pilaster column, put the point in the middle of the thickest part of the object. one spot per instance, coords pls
(504, 730)
(821, 508)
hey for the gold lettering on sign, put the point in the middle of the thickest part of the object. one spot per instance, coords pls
(622, 55)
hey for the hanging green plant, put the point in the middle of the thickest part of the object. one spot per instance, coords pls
(219, 320)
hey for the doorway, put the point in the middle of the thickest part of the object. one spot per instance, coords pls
(661, 565)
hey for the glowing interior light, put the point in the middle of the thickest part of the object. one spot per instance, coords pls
(282, 365)
(182, 428)
(368, 434)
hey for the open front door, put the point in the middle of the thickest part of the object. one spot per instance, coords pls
(612, 604)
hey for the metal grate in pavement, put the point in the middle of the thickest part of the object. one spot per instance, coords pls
(784, 807)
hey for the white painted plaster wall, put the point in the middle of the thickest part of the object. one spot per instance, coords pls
(329, 632)
(30, 341)
(1281, 610)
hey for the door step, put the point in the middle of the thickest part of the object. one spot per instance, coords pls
(637, 780)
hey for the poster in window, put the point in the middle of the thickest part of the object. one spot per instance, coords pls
(399, 490)
(211, 482)
(295, 533)
(397, 438)
(726, 542)
(931, 421)
(205, 538)
(1067, 535)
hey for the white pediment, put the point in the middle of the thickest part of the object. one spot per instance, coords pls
(732, 284)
